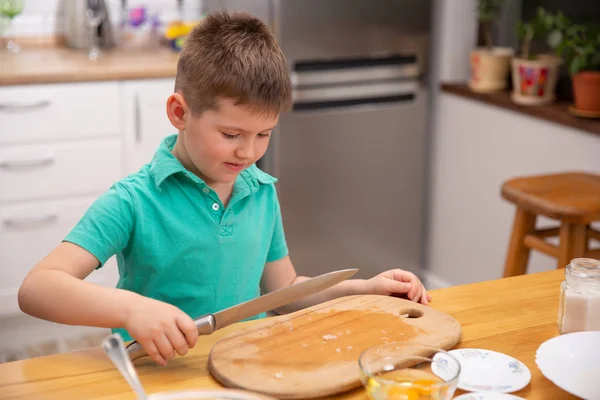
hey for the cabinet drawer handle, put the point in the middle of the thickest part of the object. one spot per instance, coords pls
(29, 222)
(18, 164)
(23, 107)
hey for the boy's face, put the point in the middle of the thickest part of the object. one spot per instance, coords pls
(221, 143)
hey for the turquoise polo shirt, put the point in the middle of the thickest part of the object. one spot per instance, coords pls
(175, 241)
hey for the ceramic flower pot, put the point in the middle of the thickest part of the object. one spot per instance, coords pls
(586, 91)
(489, 69)
(534, 81)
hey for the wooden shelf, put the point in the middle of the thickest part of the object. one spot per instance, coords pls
(555, 112)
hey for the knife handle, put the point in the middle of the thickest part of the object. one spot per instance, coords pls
(135, 350)
(206, 325)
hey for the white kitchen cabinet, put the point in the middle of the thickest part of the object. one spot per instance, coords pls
(28, 232)
(145, 120)
(55, 112)
(60, 148)
(59, 169)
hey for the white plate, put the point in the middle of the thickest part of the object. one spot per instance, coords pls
(489, 371)
(570, 361)
(487, 396)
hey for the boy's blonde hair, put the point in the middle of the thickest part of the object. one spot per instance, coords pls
(233, 55)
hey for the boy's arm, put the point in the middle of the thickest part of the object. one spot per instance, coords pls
(54, 290)
(281, 273)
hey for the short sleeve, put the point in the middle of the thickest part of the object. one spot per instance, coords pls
(105, 228)
(278, 248)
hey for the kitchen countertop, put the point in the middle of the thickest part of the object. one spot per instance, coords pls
(492, 314)
(60, 64)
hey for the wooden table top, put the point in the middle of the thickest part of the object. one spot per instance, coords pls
(513, 316)
(50, 64)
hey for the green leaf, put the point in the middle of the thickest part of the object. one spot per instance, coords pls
(573, 30)
(520, 30)
(565, 49)
(555, 38)
(488, 9)
(541, 13)
(576, 65)
(562, 21)
(589, 49)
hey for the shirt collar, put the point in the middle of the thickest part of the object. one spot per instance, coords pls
(164, 164)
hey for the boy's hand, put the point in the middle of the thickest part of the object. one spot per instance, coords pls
(396, 282)
(160, 328)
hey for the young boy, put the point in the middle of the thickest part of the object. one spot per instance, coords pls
(198, 229)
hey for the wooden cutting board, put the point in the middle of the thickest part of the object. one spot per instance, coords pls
(314, 352)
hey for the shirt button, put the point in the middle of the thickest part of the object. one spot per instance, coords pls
(215, 207)
(206, 190)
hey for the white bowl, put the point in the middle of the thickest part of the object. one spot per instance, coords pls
(571, 362)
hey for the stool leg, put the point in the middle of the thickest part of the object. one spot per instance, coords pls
(573, 243)
(517, 256)
(588, 239)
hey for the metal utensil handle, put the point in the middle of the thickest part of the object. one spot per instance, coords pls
(115, 349)
(206, 325)
(18, 164)
(26, 222)
(23, 106)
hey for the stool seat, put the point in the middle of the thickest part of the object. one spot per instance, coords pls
(572, 197)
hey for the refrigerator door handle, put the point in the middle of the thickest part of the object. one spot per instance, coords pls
(349, 71)
(318, 98)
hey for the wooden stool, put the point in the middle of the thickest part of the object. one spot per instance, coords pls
(571, 198)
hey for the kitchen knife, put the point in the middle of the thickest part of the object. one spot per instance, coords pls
(209, 323)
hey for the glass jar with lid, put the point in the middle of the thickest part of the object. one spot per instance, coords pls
(579, 307)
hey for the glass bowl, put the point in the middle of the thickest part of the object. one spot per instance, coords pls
(408, 371)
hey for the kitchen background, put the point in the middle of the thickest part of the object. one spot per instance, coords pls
(445, 156)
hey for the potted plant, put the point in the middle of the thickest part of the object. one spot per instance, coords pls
(535, 75)
(489, 64)
(580, 46)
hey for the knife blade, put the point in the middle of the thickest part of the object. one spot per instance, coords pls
(209, 323)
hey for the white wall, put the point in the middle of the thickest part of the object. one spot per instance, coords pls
(44, 17)
(454, 35)
(475, 147)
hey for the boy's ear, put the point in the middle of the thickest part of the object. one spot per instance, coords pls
(177, 110)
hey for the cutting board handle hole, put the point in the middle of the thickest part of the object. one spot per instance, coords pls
(411, 313)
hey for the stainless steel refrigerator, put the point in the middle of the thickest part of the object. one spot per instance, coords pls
(351, 155)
